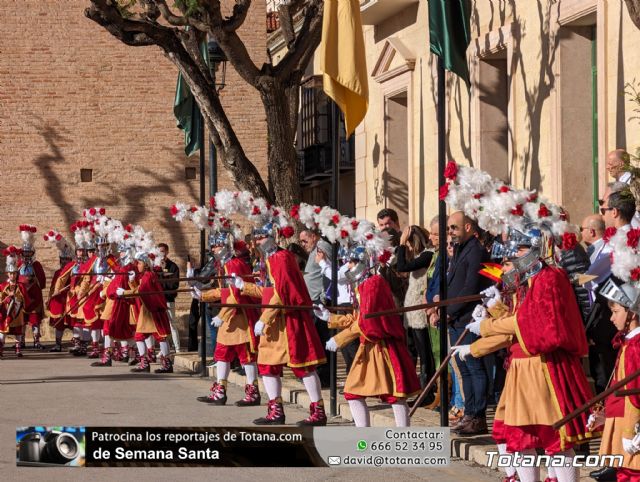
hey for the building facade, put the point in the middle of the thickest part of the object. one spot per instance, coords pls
(546, 102)
(88, 121)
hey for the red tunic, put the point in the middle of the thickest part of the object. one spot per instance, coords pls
(121, 323)
(34, 311)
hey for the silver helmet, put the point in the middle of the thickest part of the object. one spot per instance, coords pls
(269, 245)
(224, 241)
(360, 271)
(527, 265)
(625, 294)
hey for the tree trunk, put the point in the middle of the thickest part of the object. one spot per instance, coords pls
(633, 6)
(282, 156)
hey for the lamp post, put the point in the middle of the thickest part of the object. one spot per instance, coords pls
(218, 68)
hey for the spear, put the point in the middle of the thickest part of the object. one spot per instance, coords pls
(601, 396)
(242, 305)
(206, 278)
(426, 306)
(436, 375)
(82, 300)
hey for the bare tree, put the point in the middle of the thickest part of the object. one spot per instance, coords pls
(177, 30)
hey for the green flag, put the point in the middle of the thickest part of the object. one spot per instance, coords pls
(449, 34)
(187, 112)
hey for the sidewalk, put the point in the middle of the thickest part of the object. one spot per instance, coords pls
(472, 449)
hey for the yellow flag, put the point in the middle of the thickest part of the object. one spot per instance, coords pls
(342, 60)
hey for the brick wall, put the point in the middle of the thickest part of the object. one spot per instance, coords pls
(72, 97)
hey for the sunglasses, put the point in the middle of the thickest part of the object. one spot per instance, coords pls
(604, 210)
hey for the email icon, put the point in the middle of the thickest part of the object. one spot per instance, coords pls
(334, 460)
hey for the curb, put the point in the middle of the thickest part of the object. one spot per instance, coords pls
(471, 449)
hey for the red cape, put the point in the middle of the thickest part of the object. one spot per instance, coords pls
(156, 304)
(34, 291)
(375, 295)
(305, 348)
(120, 327)
(57, 304)
(548, 324)
(4, 306)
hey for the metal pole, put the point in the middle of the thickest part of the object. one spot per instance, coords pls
(203, 319)
(442, 213)
(335, 198)
(213, 169)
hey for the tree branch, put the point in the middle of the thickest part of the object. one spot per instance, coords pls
(168, 15)
(633, 6)
(136, 33)
(306, 42)
(239, 15)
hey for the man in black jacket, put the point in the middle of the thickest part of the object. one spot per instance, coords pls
(170, 270)
(463, 279)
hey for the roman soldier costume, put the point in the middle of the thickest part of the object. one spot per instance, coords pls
(59, 320)
(34, 280)
(13, 299)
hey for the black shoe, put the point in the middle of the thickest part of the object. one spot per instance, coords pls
(605, 474)
(56, 349)
(211, 401)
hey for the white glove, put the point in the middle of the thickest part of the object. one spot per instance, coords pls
(493, 295)
(196, 294)
(462, 351)
(629, 446)
(474, 327)
(103, 294)
(238, 282)
(258, 330)
(190, 272)
(321, 312)
(216, 322)
(595, 420)
(99, 278)
(479, 313)
(331, 345)
(132, 275)
(120, 291)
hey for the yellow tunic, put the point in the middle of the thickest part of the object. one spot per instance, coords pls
(526, 398)
(615, 428)
(273, 348)
(235, 327)
(371, 373)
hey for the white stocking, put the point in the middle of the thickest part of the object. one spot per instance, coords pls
(360, 412)
(567, 474)
(312, 384)
(1, 340)
(528, 474)
(142, 348)
(107, 341)
(149, 342)
(510, 471)
(77, 332)
(86, 334)
(125, 344)
(95, 336)
(401, 414)
(222, 370)
(164, 348)
(251, 370)
(272, 385)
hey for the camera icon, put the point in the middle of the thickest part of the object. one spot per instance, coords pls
(51, 448)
